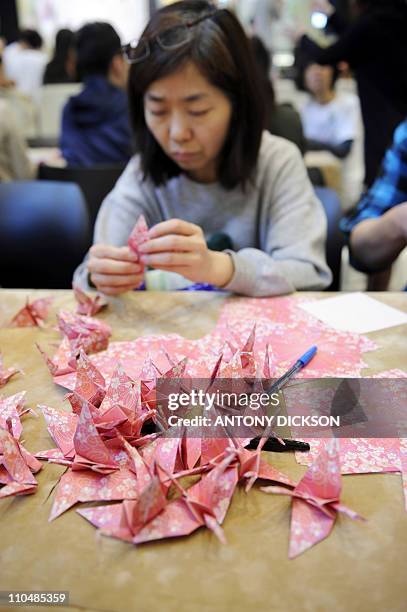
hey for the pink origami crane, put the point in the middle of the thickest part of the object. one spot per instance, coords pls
(87, 305)
(62, 362)
(205, 503)
(315, 501)
(11, 409)
(89, 384)
(138, 236)
(84, 332)
(16, 463)
(32, 315)
(6, 373)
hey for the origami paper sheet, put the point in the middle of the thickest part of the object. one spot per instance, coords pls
(6, 373)
(138, 236)
(32, 314)
(289, 330)
(87, 305)
(315, 501)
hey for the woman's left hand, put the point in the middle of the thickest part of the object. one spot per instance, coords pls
(179, 246)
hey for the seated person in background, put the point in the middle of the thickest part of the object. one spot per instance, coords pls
(95, 123)
(377, 228)
(332, 122)
(61, 69)
(24, 63)
(282, 119)
(4, 82)
(206, 167)
(14, 163)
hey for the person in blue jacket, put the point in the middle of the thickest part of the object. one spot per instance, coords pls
(95, 123)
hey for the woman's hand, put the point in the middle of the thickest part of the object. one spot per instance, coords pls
(179, 246)
(114, 270)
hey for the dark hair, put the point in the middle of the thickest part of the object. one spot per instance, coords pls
(64, 40)
(96, 44)
(56, 70)
(220, 50)
(31, 38)
(302, 64)
(387, 4)
(263, 61)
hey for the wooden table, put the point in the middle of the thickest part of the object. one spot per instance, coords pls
(360, 567)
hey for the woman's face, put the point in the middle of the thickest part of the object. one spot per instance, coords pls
(318, 79)
(190, 119)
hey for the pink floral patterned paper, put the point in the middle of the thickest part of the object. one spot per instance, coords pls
(84, 486)
(32, 314)
(282, 332)
(15, 472)
(138, 236)
(84, 332)
(403, 462)
(6, 373)
(315, 501)
(11, 408)
(87, 305)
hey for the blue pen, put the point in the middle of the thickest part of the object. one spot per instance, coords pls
(298, 365)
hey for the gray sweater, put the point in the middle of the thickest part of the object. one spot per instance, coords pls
(278, 226)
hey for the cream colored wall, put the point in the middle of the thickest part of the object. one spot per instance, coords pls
(127, 16)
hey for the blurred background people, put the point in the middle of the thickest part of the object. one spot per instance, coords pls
(332, 122)
(24, 62)
(281, 119)
(95, 123)
(61, 68)
(14, 163)
(377, 228)
(375, 46)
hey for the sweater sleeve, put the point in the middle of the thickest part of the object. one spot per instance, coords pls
(292, 231)
(119, 213)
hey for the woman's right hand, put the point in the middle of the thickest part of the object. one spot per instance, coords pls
(114, 270)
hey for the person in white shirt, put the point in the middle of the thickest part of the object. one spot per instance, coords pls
(332, 122)
(24, 63)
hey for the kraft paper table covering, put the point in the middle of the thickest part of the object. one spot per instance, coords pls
(359, 567)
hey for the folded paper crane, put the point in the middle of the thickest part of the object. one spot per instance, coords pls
(87, 305)
(138, 236)
(6, 373)
(315, 501)
(32, 314)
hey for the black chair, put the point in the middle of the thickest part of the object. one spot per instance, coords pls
(335, 239)
(44, 234)
(316, 177)
(95, 182)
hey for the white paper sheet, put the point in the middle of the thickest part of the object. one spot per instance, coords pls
(356, 312)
